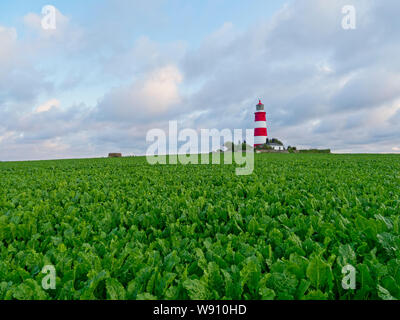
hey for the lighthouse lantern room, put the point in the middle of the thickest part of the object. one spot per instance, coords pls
(260, 128)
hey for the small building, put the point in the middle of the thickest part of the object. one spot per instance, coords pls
(115, 155)
(276, 146)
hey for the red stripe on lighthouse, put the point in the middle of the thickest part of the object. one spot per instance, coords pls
(260, 132)
(261, 116)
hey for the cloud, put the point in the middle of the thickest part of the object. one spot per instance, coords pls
(63, 31)
(369, 88)
(146, 55)
(147, 97)
(48, 105)
(318, 81)
(20, 80)
(8, 40)
(206, 60)
(322, 86)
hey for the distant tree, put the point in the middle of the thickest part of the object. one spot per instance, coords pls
(291, 149)
(267, 147)
(277, 141)
(245, 146)
(229, 145)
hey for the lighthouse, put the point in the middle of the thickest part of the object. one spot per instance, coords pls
(260, 128)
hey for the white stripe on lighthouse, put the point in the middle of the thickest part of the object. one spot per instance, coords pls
(260, 124)
(260, 140)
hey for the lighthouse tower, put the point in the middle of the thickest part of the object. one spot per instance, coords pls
(260, 131)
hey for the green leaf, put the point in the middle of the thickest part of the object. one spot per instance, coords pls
(196, 289)
(319, 273)
(283, 283)
(302, 289)
(146, 296)
(384, 294)
(267, 294)
(115, 290)
(346, 256)
(88, 291)
(171, 261)
(251, 274)
(29, 290)
(316, 295)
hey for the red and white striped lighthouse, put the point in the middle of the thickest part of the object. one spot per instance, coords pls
(260, 128)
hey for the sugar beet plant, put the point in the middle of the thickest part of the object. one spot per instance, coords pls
(123, 229)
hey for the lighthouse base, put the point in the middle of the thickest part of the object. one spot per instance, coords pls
(260, 140)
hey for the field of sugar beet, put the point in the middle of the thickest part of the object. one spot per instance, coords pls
(124, 229)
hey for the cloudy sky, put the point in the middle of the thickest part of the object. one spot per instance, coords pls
(114, 69)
